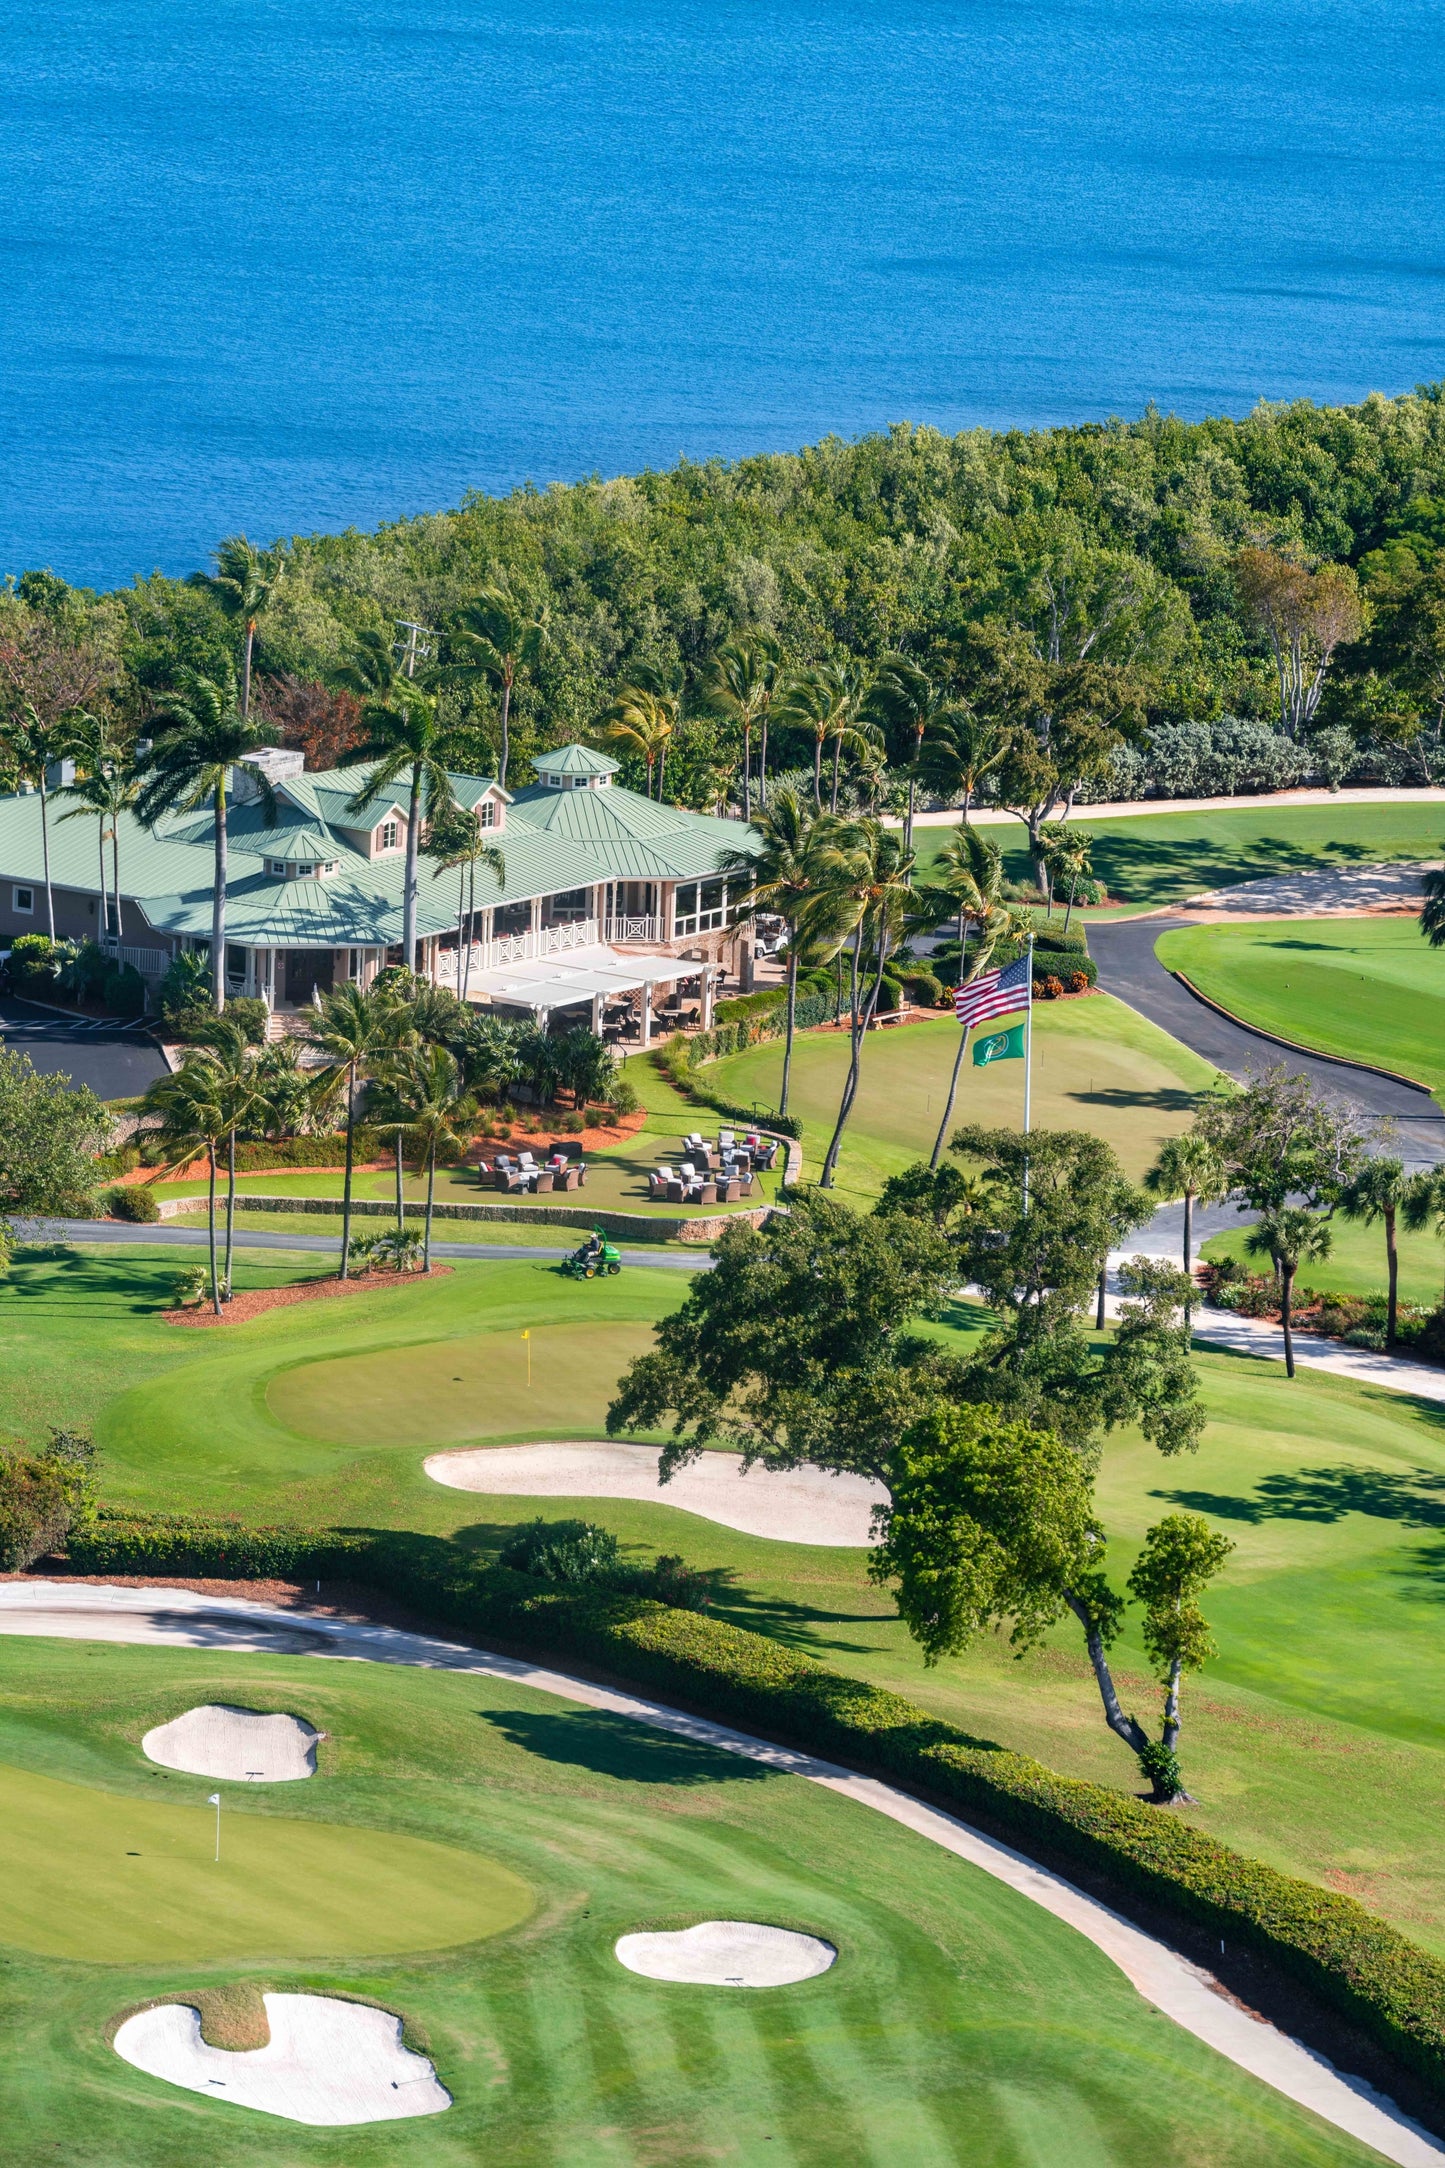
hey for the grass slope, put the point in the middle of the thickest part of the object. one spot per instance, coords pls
(1155, 858)
(959, 2025)
(1097, 1065)
(1370, 989)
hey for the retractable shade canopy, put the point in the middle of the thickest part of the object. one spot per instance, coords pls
(580, 976)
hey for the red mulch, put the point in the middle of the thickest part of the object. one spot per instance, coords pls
(256, 1300)
(589, 1140)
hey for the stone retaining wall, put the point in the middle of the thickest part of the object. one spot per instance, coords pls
(635, 1226)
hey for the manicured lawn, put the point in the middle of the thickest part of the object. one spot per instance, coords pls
(959, 2024)
(1370, 989)
(1316, 1738)
(1356, 1263)
(526, 1234)
(1153, 859)
(1097, 1065)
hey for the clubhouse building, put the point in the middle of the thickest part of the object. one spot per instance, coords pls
(615, 910)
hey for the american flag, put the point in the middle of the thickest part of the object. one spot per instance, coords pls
(994, 993)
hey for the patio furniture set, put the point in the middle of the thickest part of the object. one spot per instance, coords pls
(721, 1173)
(520, 1173)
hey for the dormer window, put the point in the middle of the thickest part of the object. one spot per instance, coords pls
(387, 836)
(487, 813)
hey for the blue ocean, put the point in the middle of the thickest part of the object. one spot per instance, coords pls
(286, 267)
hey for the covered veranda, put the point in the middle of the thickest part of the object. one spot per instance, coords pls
(613, 983)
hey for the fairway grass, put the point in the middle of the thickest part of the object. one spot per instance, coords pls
(960, 2024)
(124, 1880)
(1097, 1065)
(1370, 989)
(1149, 859)
(1356, 1264)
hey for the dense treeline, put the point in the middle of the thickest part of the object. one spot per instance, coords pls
(1123, 547)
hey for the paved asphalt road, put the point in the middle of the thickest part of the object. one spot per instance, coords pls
(68, 1230)
(115, 1059)
(1128, 967)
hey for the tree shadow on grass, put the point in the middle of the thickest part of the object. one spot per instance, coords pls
(616, 1746)
(141, 1285)
(1166, 1098)
(1138, 867)
(1416, 1499)
(796, 1625)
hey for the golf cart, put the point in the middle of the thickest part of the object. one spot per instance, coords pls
(596, 1256)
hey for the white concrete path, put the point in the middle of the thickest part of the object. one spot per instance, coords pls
(1146, 808)
(1184, 1992)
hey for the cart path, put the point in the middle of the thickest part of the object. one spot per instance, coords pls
(1130, 970)
(165, 1236)
(1183, 1991)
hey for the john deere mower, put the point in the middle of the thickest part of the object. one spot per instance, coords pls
(593, 1259)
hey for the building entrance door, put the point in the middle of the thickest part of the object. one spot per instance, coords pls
(306, 971)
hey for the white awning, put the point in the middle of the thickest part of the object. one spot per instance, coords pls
(579, 975)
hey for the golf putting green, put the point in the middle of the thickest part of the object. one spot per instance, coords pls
(450, 1389)
(95, 1875)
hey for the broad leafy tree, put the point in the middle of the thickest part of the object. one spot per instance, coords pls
(1281, 1138)
(49, 1138)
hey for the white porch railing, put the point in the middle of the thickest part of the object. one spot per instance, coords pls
(648, 927)
(517, 948)
(149, 962)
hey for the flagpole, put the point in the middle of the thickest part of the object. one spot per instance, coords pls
(1028, 1063)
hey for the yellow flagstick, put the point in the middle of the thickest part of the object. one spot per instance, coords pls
(528, 1338)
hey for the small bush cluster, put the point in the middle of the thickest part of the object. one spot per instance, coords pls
(578, 1552)
(134, 1202)
(44, 1497)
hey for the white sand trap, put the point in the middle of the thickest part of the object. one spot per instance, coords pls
(238, 1744)
(326, 2062)
(727, 1953)
(801, 1505)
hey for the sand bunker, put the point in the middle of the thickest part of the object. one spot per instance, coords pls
(327, 2062)
(803, 1505)
(238, 1744)
(727, 1953)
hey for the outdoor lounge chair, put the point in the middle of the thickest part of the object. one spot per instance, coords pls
(707, 1193)
(544, 1181)
(676, 1191)
(511, 1178)
(658, 1180)
(569, 1178)
(729, 1191)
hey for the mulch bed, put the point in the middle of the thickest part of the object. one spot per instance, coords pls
(256, 1300)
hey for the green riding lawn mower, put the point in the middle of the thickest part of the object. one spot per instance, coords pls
(595, 1258)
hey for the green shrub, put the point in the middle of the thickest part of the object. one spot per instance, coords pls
(1362, 1966)
(924, 990)
(124, 991)
(561, 1550)
(622, 1095)
(185, 985)
(738, 1008)
(134, 1202)
(44, 1497)
(32, 962)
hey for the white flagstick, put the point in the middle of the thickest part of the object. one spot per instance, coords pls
(1028, 1062)
(215, 1801)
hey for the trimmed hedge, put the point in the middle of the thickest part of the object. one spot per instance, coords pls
(1362, 1966)
(673, 1059)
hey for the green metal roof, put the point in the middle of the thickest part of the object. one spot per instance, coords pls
(551, 841)
(575, 760)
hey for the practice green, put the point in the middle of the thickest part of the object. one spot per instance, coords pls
(113, 1880)
(473, 1388)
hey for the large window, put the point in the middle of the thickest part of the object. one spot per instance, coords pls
(388, 835)
(699, 907)
(568, 908)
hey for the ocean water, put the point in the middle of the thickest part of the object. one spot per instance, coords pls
(280, 267)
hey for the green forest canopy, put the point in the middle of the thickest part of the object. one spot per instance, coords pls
(1116, 541)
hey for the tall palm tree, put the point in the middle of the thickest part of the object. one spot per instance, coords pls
(1375, 1196)
(355, 1032)
(405, 737)
(199, 736)
(739, 684)
(424, 1089)
(107, 787)
(785, 878)
(1188, 1167)
(909, 705)
(193, 1121)
(1432, 911)
(645, 720)
(1289, 1235)
(461, 847)
(827, 702)
(495, 638)
(244, 583)
(960, 749)
(239, 1088)
(966, 883)
(870, 875)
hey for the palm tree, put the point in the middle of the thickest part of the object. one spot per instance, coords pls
(460, 845)
(911, 705)
(424, 1088)
(1288, 1234)
(405, 737)
(495, 638)
(827, 702)
(239, 1088)
(200, 735)
(960, 750)
(740, 684)
(967, 882)
(645, 720)
(108, 787)
(355, 1031)
(783, 877)
(1376, 1195)
(244, 583)
(1424, 1202)
(868, 876)
(193, 1121)
(1432, 911)
(1188, 1167)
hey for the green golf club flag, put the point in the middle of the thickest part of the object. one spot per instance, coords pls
(999, 1046)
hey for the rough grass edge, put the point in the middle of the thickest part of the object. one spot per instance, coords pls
(1360, 1966)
